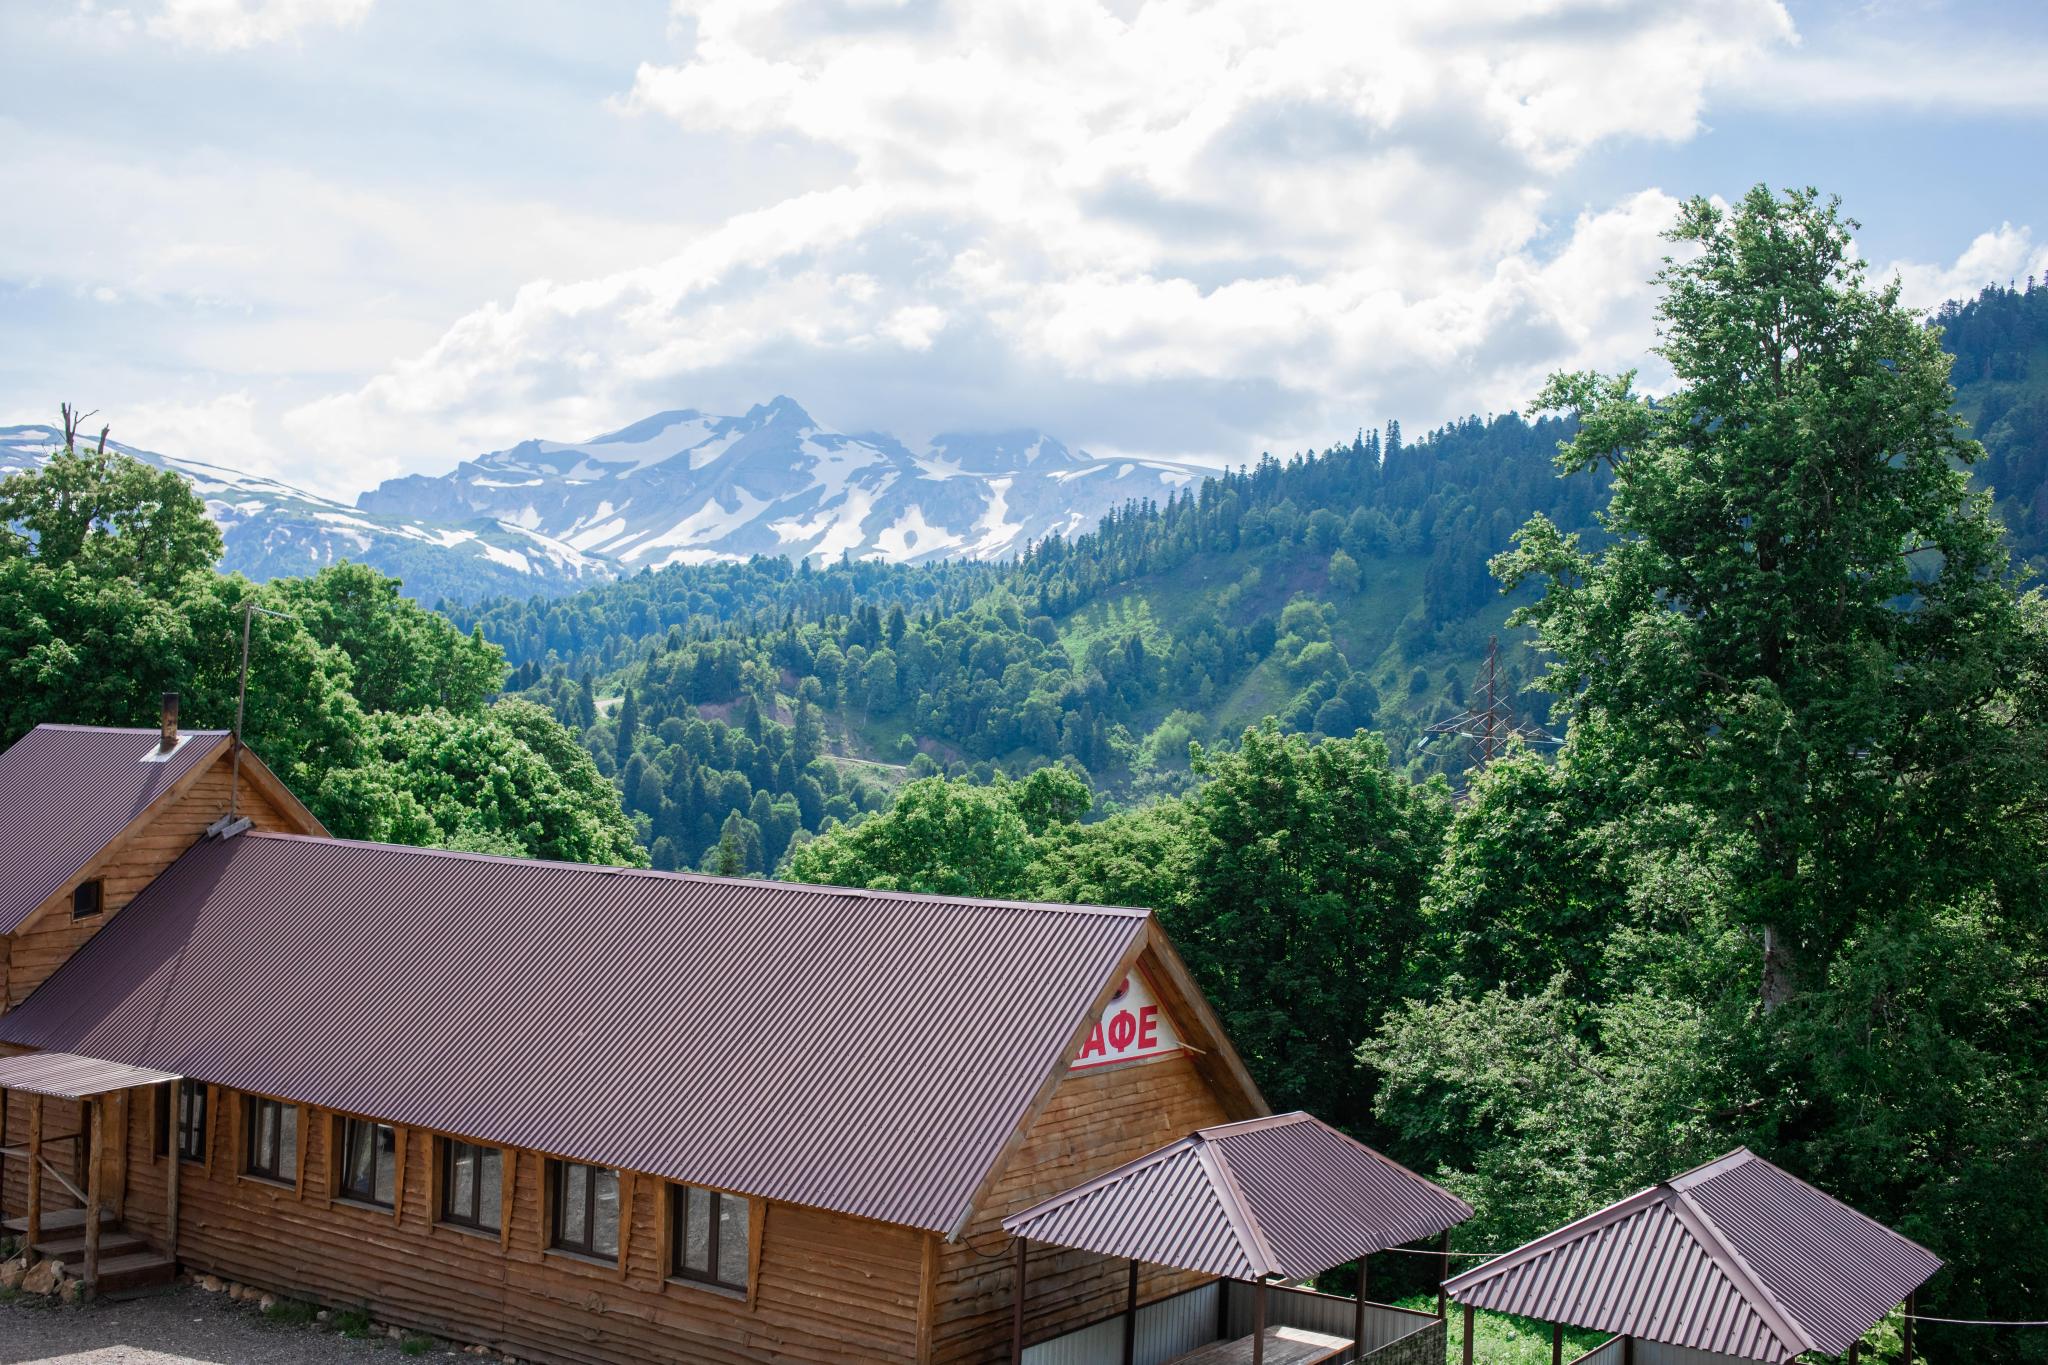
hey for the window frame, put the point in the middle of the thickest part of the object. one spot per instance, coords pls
(347, 1128)
(557, 1187)
(172, 1132)
(480, 1217)
(680, 1197)
(189, 1135)
(98, 897)
(270, 1171)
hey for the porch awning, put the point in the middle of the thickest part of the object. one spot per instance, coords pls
(1287, 1196)
(66, 1076)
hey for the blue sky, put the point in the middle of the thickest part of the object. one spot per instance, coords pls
(337, 240)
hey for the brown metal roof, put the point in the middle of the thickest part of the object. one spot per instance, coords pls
(64, 1076)
(1737, 1257)
(67, 791)
(867, 1052)
(1288, 1196)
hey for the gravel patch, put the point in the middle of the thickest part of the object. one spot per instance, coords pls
(181, 1326)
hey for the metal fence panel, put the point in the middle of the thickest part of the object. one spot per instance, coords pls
(1657, 1353)
(1606, 1353)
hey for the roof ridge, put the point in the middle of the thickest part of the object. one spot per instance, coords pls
(855, 892)
(1217, 1164)
(136, 730)
(1788, 1328)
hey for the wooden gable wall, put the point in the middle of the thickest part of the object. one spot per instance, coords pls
(1093, 1121)
(133, 859)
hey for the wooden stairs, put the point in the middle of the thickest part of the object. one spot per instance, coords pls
(128, 1263)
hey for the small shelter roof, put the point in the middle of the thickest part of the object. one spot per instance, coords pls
(67, 791)
(1736, 1257)
(67, 1076)
(1287, 1196)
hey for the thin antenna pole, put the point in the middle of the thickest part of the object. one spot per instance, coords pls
(241, 703)
(249, 612)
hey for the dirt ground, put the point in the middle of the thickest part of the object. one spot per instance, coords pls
(182, 1326)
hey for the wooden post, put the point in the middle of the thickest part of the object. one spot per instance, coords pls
(117, 1182)
(171, 1197)
(1443, 1272)
(1259, 1322)
(35, 1173)
(1467, 1349)
(1017, 1308)
(1358, 1316)
(1556, 1343)
(1628, 1351)
(1855, 1352)
(1906, 1331)
(95, 1183)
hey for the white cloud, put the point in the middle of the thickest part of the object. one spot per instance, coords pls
(231, 25)
(2005, 255)
(1193, 230)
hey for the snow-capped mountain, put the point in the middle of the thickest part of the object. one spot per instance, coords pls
(271, 528)
(687, 487)
(681, 487)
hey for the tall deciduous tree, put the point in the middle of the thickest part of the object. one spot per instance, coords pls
(1804, 626)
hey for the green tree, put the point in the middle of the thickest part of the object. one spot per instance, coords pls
(402, 657)
(111, 516)
(950, 838)
(504, 777)
(1803, 789)
(1304, 886)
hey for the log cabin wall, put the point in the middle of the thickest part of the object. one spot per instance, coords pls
(131, 863)
(825, 1288)
(1097, 1119)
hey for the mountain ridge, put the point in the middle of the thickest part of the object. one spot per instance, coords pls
(681, 486)
(685, 486)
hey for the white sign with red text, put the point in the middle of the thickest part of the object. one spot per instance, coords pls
(1132, 1026)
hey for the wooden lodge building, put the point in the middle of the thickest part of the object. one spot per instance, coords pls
(591, 1114)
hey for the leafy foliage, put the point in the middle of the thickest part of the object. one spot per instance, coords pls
(370, 707)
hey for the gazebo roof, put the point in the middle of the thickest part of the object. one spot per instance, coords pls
(1287, 1196)
(1736, 1257)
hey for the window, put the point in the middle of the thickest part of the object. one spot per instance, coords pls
(369, 1162)
(181, 1109)
(87, 898)
(192, 1120)
(584, 1202)
(273, 1129)
(469, 1185)
(708, 1236)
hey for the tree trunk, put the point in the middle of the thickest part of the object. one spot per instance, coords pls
(1776, 987)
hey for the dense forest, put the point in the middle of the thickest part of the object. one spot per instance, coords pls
(742, 706)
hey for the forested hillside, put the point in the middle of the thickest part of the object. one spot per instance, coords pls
(2000, 343)
(1336, 590)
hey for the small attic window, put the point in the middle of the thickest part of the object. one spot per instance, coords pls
(88, 899)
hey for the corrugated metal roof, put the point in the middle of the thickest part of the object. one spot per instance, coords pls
(866, 1052)
(65, 1076)
(1737, 1257)
(1288, 1196)
(66, 791)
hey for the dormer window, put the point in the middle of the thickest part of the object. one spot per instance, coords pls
(88, 899)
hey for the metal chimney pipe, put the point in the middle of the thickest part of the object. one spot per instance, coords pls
(169, 737)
